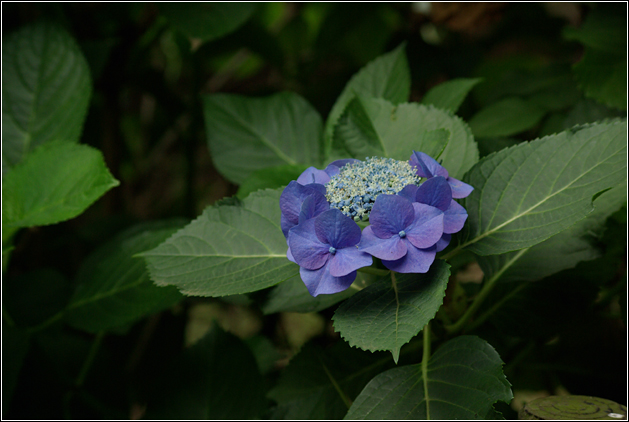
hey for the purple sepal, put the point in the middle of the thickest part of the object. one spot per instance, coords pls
(435, 192)
(427, 226)
(390, 249)
(347, 260)
(313, 175)
(307, 250)
(443, 242)
(334, 167)
(322, 282)
(415, 261)
(336, 229)
(409, 192)
(454, 218)
(292, 199)
(312, 206)
(390, 214)
(427, 166)
(459, 189)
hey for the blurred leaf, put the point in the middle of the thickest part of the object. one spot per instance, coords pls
(216, 378)
(321, 383)
(602, 30)
(377, 127)
(34, 296)
(588, 111)
(388, 313)
(572, 407)
(207, 21)
(113, 287)
(46, 88)
(15, 344)
(269, 178)
(506, 117)
(525, 194)
(603, 77)
(292, 296)
(56, 182)
(386, 77)
(227, 250)
(249, 134)
(462, 380)
(450, 95)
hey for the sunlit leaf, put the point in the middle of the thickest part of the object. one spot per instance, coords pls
(450, 95)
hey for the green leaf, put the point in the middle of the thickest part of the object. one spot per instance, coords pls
(386, 77)
(113, 287)
(56, 182)
(389, 313)
(377, 127)
(249, 134)
(506, 117)
(207, 21)
(292, 296)
(562, 251)
(602, 30)
(450, 95)
(603, 77)
(320, 384)
(216, 378)
(227, 250)
(15, 345)
(525, 194)
(34, 296)
(46, 88)
(269, 178)
(462, 380)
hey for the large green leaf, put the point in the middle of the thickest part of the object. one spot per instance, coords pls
(249, 134)
(207, 20)
(506, 117)
(462, 380)
(46, 89)
(321, 383)
(525, 194)
(113, 287)
(377, 127)
(388, 313)
(227, 250)
(269, 178)
(450, 95)
(562, 251)
(56, 182)
(216, 378)
(386, 77)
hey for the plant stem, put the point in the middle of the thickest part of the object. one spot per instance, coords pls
(482, 295)
(374, 271)
(89, 359)
(425, 358)
(454, 252)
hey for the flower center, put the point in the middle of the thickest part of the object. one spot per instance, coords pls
(332, 250)
(355, 189)
(402, 234)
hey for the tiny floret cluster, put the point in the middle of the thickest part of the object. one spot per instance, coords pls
(410, 207)
(357, 185)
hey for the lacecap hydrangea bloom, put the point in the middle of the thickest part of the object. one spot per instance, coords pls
(409, 206)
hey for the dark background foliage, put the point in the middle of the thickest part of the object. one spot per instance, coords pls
(145, 115)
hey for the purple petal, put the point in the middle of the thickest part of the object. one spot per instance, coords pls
(335, 166)
(454, 218)
(415, 261)
(409, 192)
(391, 249)
(312, 206)
(426, 165)
(427, 227)
(336, 229)
(390, 214)
(346, 260)
(322, 282)
(291, 200)
(459, 189)
(443, 242)
(307, 250)
(290, 257)
(435, 192)
(313, 175)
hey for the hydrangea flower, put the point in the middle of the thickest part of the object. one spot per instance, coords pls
(437, 192)
(357, 185)
(403, 234)
(314, 175)
(292, 199)
(325, 249)
(428, 167)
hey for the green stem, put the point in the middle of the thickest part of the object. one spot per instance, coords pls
(374, 271)
(478, 321)
(89, 359)
(425, 358)
(454, 252)
(482, 295)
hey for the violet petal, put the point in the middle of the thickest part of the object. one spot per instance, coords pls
(390, 214)
(427, 227)
(346, 260)
(322, 282)
(390, 249)
(415, 261)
